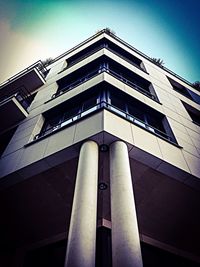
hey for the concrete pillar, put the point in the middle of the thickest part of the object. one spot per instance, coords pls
(125, 236)
(82, 231)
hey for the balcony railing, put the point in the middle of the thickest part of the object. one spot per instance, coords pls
(131, 84)
(86, 55)
(93, 73)
(72, 85)
(22, 95)
(104, 105)
(39, 66)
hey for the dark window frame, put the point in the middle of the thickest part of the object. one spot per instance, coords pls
(193, 113)
(184, 91)
(113, 68)
(109, 45)
(103, 101)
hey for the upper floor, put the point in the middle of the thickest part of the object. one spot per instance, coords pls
(103, 90)
(155, 111)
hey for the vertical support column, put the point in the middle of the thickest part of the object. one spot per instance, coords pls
(125, 236)
(82, 231)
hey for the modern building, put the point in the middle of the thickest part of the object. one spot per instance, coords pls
(100, 162)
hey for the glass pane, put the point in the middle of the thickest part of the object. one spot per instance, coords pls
(136, 112)
(118, 102)
(155, 122)
(52, 123)
(195, 97)
(89, 103)
(71, 112)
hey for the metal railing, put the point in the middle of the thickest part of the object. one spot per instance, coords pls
(22, 96)
(131, 84)
(72, 63)
(63, 123)
(77, 82)
(90, 75)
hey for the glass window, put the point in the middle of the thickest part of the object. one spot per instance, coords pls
(195, 117)
(155, 122)
(118, 105)
(114, 68)
(52, 124)
(185, 91)
(118, 102)
(70, 116)
(136, 112)
(89, 105)
(195, 97)
(193, 113)
(91, 102)
(71, 112)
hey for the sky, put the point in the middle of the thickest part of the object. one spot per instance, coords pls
(40, 29)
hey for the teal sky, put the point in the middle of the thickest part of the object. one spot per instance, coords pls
(33, 30)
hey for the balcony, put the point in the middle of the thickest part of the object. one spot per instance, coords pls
(114, 69)
(30, 78)
(64, 121)
(104, 43)
(13, 108)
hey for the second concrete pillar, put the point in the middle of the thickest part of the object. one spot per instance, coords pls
(125, 236)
